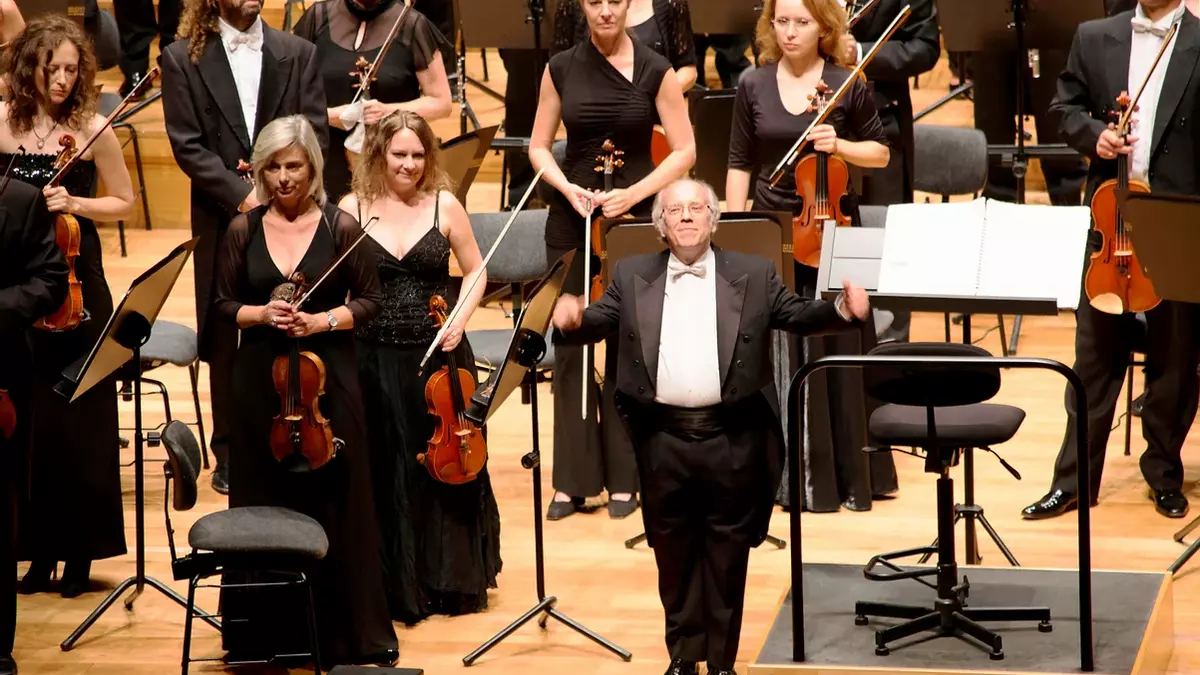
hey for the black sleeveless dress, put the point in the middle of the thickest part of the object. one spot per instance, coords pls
(413, 49)
(72, 509)
(441, 543)
(352, 618)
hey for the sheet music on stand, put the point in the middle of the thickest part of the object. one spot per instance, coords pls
(985, 248)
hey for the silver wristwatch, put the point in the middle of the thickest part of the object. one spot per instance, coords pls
(332, 321)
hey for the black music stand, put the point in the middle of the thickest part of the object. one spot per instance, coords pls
(128, 329)
(711, 111)
(462, 156)
(754, 232)
(1000, 26)
(1163, 230)
(527, 348)
(508, 24)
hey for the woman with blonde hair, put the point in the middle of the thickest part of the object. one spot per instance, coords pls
(296, 231)
(441, 542)
(799, 45)
(73, 513)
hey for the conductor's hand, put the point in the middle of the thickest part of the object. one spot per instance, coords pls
(568, 312)
(856, 300)
(824, 139)
(1109, 145)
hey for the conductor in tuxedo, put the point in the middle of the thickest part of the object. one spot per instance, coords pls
(1110, 56)
(228, 76)
(33, 283)
(696, 392)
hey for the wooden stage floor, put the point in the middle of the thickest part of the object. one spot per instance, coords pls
(598, 581)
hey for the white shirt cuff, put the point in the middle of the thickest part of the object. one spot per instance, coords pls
(840, 305)
(858, 45)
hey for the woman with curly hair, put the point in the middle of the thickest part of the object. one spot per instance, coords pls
(74, 512)
(441, 543)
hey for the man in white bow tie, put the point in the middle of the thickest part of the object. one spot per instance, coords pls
(228, 76)
(695, 389)
(1110, 56)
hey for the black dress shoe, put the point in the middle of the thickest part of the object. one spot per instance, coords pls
(681, 667)
(130, 82)
(386, 658)
(37, 579)
(559, 510)
(622, 508)
(1054, 504)
(722, 671)
(76, 578)
(220, 478)
(7, 665)
(1170, 503)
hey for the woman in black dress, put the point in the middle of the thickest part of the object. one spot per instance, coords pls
(441, 542)
(297, 230)
(798, 40)
(74, 511)
(412, 76)
(609, 87)
(662, 25)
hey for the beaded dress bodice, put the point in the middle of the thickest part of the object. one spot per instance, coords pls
(38, 168)
(408, 284)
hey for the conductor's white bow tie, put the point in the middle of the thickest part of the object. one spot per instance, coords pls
(251, 40)
(1143, 25)
(679, 269)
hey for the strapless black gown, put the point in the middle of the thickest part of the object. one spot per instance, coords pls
(441, 543)
(72, 508)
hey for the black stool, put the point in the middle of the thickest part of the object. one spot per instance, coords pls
(941, 412)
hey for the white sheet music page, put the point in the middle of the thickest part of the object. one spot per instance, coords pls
(1034, 251)
(932, 249)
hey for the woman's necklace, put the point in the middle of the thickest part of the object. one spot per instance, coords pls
(41, 140)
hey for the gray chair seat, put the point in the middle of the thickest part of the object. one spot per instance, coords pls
(491, 348)
(976, 425)
(259, 529)
(172, 343)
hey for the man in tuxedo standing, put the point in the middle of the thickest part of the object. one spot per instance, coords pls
(137, 26)
(228, 76)
(33, 283)
(696, 391)
(1110, 56)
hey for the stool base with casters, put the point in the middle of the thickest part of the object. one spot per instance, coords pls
(948, 616)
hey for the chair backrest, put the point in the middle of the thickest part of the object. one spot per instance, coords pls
(521, 256)
(949, 160)
(183, 461)
(937, 387)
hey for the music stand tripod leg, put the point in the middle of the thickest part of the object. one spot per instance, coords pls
(545, 605)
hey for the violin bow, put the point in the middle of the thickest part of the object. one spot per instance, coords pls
(794, 152)
(11, 163)
(325, 275)
(138, 90)
(387, 44)
(587, 299)
(437, 339)
(859, 12)
(1123, 124)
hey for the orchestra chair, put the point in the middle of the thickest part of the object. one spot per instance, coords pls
(175, 344)
(942, 412)
(247, 538)
(952, 161)
(109, 101)
(519, 260)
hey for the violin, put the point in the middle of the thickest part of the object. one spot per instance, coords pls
(821, 181)
(1115, 282)
(607, 161)
(67, 237)
(66, 228)
(364, 74)
(299, 433)
(8, 415)
(457, 451)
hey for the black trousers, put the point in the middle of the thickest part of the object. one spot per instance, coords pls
(699, 496)
(594, 453)
(1102, 350)
(995, 77)
(220, 382)
(729, 56)
(520, 108)
(12, 461)
(138, 26)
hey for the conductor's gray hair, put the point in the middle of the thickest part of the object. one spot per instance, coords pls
(283, 133)
(659, 211)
